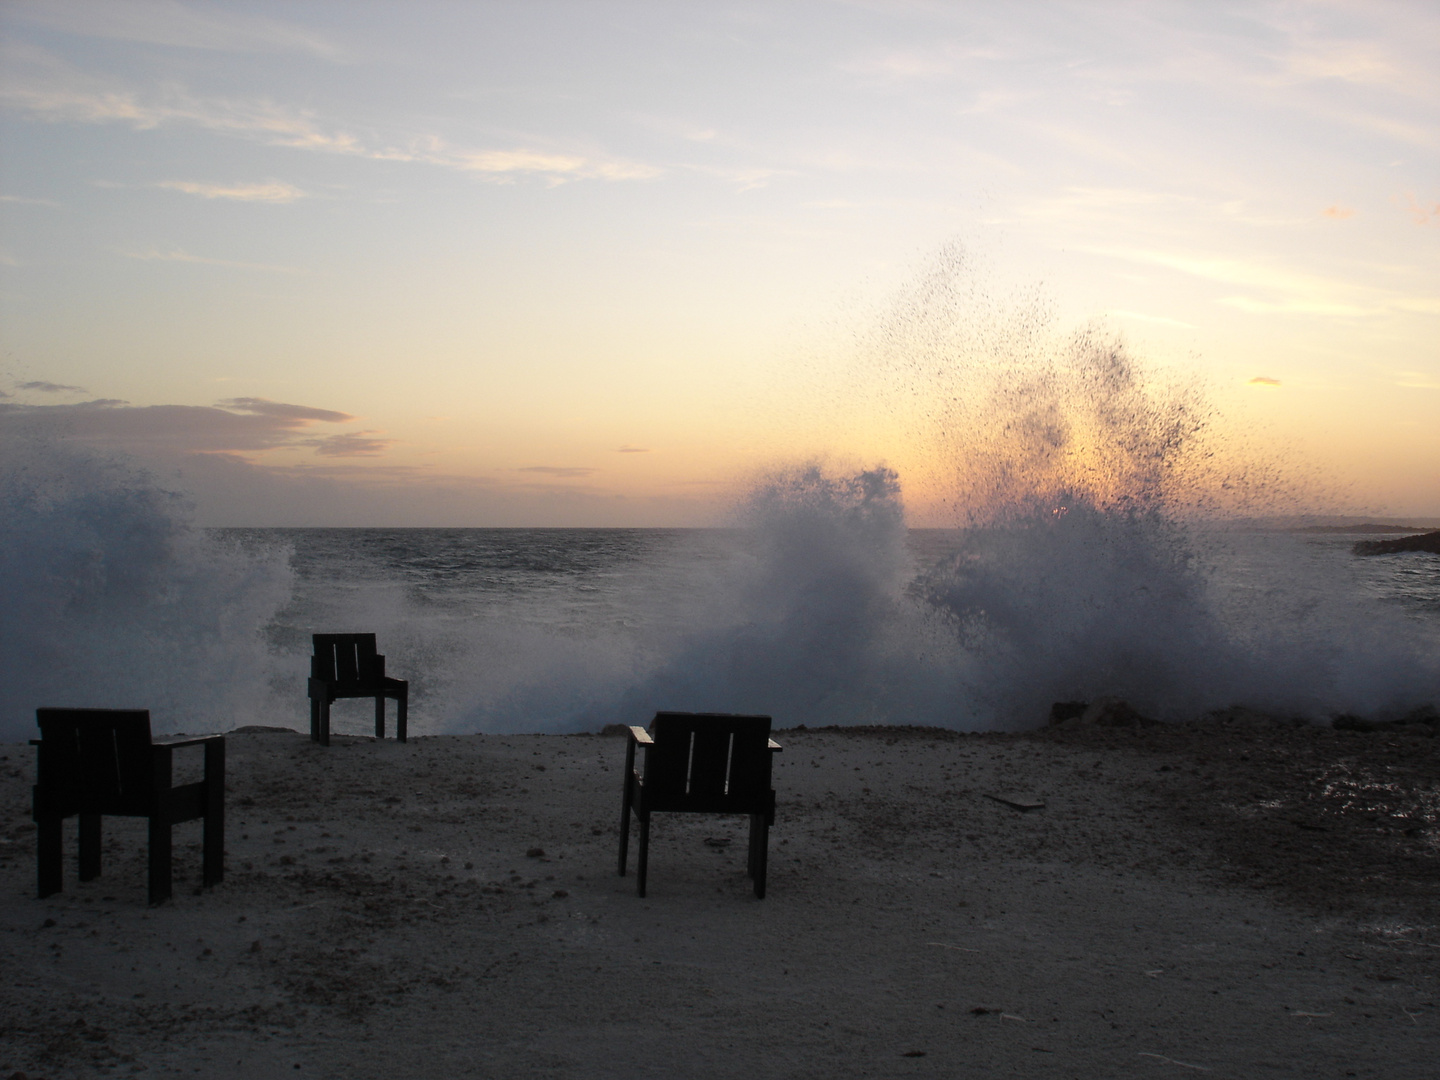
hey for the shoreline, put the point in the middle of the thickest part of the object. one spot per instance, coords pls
(1239, 896)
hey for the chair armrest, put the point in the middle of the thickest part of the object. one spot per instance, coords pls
(641, 736)
(192, 740)
(774, 747)
(377, 667)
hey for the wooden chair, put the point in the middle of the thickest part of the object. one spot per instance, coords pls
(103, 761)
(347, 666)
(706, 763)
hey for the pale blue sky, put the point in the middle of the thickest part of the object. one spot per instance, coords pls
(596, 262)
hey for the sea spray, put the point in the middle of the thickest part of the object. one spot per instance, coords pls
(812, 621)
(1095, 498)
(113, 599)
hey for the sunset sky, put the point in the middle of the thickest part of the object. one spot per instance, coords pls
(600, 263)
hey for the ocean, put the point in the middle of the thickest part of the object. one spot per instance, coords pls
(820, 606)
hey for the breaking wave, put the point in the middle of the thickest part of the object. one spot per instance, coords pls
(1094, 544)
(114, 600)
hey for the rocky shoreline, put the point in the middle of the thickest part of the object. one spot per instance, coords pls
(1429, 542)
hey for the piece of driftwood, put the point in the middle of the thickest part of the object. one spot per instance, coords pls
(103, 761)
(1018, 802)
(347, 666)
(701, 763)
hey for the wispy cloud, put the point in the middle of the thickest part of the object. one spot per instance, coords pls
(24, 201)
(1421, 214)
(351, 444)
(43, 87)
(155, 255)
(1297, 306)
(562, 472)
(1283, 291)
(1226, 270)
(235, 426)
(1417, 380)
(272, 192)
(1159, 319)
(1263, 380)
(503, 165)
(627, 449)
(166, 22)
(1337, 211)
(291, 414)
(50, 387)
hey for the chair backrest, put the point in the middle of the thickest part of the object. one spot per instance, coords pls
(344, 658)
(711, 762)
(95, 760)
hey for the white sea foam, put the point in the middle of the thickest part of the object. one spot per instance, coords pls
(112, 599)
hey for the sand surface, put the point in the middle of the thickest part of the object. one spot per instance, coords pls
(1232, 899)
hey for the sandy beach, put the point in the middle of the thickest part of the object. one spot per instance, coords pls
(1236, 897)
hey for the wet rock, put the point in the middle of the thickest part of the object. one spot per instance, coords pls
(1423, 542)
(1112, 712)
(1424, 720)
(1061, 711)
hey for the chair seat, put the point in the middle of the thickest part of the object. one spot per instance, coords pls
(387, 686)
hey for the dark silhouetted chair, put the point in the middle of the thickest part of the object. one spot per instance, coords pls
(347, 666)
(103, 761)
(705, 763)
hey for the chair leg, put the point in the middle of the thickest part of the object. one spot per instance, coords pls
(314, 720)
(379, 716)
(402, 714)
(759, 852)
(324, 723)
(89, 847)
(625, 826)
(643, 862)
(48, 851)
(162, 777)
(213, 844)
(160, 858)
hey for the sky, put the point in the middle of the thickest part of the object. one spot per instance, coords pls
(605, 263)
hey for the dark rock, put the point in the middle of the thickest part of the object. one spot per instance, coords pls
(1423, 542)
(1240, 716)
(614, 730)
(1367, 528)
(1112, 712)
(1424, 720)
(536, 853)
(1061, 711)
